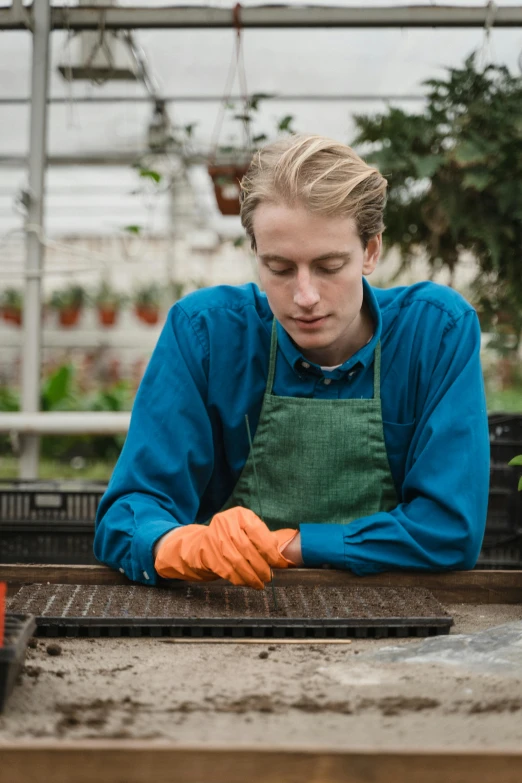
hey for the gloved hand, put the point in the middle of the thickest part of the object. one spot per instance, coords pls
(237, 546)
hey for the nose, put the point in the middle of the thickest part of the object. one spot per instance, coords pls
(306, 294)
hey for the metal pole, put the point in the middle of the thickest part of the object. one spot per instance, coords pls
(264, 17)
(31, 356)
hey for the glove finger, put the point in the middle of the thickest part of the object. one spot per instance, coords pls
(263, 540)
(237, 569)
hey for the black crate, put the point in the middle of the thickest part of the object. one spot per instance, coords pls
(48, 522)
(52, 543)
(505, 427)
(18, 630)
(49, 501)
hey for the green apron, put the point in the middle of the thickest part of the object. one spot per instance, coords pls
(316, 460)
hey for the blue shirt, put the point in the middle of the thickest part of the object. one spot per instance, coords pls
(187, 442)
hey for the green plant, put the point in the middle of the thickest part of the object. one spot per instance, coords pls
(148, 295)
(72, 297)
(455, 180)
(252, 138)
(106, 296)
(517, 461)
(12, 298)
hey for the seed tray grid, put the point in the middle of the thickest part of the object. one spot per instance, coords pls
(218, 611)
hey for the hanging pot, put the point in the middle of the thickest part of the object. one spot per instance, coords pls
(226, 179)
(12, 315)
(147, 313)
(69, 316)
(107, 316)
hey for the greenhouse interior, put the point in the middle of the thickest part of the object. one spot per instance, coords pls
(126, 129)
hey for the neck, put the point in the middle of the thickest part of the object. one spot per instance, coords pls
(360, 334)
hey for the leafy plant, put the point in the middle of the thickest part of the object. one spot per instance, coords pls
(106, 296)
(148, 295)
(517, 461)
(72, 297)
(455, 177)
(12, 298)
(247, 117)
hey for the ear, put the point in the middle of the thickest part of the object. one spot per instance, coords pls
(371, 254)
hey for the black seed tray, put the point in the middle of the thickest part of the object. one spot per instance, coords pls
(232, 612)
(18, 630)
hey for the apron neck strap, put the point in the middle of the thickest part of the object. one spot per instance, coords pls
(273, 357)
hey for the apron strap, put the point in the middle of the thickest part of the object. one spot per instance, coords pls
(377, 372)
(273, 357)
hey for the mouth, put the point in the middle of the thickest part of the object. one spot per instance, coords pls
(310, 323)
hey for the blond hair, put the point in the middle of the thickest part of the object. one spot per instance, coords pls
(322, 175)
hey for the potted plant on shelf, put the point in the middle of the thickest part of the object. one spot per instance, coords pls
(108, 303)
(69, 303)
(147, 301)
(12, 306)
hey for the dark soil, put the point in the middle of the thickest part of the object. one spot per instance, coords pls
(204, 601)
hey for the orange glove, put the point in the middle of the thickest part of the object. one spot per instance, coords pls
(237, 546)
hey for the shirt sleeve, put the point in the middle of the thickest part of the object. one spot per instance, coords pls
(439, 523)
(167, 459)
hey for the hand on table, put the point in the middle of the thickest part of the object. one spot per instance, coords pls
(236, 545)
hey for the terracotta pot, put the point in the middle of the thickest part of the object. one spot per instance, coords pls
(226, 179)
(69, 316)
(147, 313)
(107, 316)
(12, 315)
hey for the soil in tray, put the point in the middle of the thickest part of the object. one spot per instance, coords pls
(204, 601)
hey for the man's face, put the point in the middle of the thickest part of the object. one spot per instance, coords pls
(311, 267)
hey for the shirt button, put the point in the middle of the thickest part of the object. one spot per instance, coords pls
(327, 381)
(305, 365)
(145, 574)
(121, 570)
(351, 373)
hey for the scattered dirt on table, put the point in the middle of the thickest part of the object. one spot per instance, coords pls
(32, 671)
(53, 649)
(395, 705)
(92, 714)
(501, 705)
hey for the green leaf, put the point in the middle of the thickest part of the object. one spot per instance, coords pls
(284, 124)
(478, 180)
(132, 229)
(239, 241)
(155, 176)
(468, 153)
(520, 484)
(57, 388)
(428, 165)
(516, 460)
(260, 138)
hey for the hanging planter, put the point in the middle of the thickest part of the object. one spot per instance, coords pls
(69, 303)
(147, 301)
(11, 306)
(108, 304)
(226, 179)
(12, 315)
(69, 316)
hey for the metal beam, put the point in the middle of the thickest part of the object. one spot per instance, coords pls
(69, 423)
(351, 97)
(135, 18)
(32, 353)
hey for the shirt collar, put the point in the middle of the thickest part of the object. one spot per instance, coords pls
(363, 357)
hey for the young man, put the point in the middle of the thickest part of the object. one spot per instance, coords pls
(366, 406)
